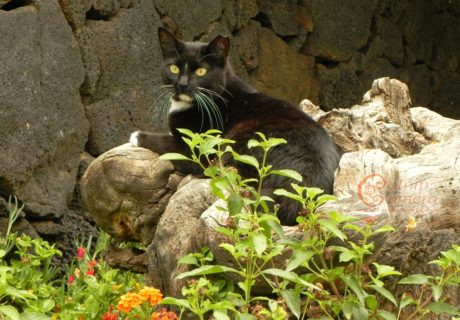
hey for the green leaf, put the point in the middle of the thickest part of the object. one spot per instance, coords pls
(384, 229)
(188, 259)
(250, 160)
(347, 255)
(299, 257)
(385, 315)
(208, 269)
(437, 292)
(290, 276)
(455, 280)
(405, 301)
(186, 132)
(443, 308)
(253, 143)
(31, 315)
(385, 271)
(313, 192)
(415, 279)
(47, 305)
(322, 199)
(227, 246)
(292, 299)
(10, 311)
(246, 316)
(360, 313)
(453, 255)
(174, 156)
(273, 223)
(371, 302)
(385, 293)
(177, 302)
(347, 308)
(235, 203)
(20, 294)
(354, 285)
(332, 228)
(260, 243)
(287, 194)
(219, 315)
(288, 173)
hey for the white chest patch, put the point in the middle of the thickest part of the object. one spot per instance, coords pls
(180, 105)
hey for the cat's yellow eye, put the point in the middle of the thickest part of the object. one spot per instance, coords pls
(173, 68)
(200, 72)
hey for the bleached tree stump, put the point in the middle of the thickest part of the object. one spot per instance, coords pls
(400, 162)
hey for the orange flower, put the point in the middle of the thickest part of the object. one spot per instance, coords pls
(164, 314)
(92, 264)
(152, 295)
(110, 315)
(129, 301)
(370, 220)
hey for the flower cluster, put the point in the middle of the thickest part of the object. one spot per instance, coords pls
(164, 314)
(110, 315)
(87, 268)
(131, 300)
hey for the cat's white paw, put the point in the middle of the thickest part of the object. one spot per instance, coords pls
(134, 139)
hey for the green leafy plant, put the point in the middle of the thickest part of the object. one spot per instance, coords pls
(326, 275)
(27, 279)
(92, 287)
(31, 288)
(431, 298)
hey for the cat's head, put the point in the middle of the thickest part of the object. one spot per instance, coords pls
(191, 69)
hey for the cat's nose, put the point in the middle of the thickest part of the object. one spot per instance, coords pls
(182, 84)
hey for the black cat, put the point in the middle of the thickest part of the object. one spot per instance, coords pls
(202, 92)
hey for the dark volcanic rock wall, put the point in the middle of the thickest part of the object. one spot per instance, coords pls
(77, 76)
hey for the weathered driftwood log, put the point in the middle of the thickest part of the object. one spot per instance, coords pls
(126, 191)
(401, 162)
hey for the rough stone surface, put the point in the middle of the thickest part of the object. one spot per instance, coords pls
(43, 122)
(198, 17)
(339, 29)
(275, 67)
(340, 86)
(121, 58)
(282, 15)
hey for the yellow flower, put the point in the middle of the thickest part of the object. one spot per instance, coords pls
(115, 287)
(411, 224)
(76, 272)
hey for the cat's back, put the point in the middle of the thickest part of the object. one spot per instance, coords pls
(309, 149)
(260, 112)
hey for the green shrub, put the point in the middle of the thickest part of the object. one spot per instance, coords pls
(308, 284)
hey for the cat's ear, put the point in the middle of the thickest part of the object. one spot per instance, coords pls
(220, 46)
(170, 45)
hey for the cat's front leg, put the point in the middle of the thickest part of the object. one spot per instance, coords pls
(165, 143)
(157, 142)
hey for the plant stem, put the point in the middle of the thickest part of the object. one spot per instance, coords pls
(420, 307)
